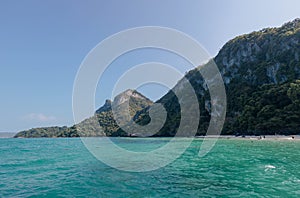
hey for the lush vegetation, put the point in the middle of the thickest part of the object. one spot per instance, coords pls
(268, 109)
(260, 71)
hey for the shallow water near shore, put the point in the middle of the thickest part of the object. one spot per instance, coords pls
(233, 168)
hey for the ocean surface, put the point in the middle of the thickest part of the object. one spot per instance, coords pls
(233, 168)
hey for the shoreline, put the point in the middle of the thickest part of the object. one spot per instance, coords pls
(250, 137)
(231, 137)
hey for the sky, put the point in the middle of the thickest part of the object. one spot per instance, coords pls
(43, 43)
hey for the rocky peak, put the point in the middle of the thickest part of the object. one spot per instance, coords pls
(105, 107)
(127, 95)
(292, 24)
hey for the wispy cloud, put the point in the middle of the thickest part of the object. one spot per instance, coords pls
(39, 117)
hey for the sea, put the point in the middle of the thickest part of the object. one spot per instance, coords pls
(63, 167)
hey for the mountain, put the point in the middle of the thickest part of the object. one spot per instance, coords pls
(261, 72)
(103, 117)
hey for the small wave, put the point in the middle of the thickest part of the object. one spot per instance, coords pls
(268, 167)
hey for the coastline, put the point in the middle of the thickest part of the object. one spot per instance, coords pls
(249, 137)
(231, 137)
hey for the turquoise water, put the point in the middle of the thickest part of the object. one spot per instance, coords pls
(234, 168)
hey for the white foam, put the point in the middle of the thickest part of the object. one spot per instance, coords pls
(267, 167)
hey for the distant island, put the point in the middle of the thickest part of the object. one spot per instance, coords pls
(261, 72)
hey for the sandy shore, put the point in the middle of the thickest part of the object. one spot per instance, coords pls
(263, 137)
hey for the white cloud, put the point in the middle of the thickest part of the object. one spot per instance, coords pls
(39, 117)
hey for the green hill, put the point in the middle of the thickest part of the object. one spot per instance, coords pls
(90, 126)
(260, 71)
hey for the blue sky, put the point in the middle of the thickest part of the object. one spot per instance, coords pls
(42, 44)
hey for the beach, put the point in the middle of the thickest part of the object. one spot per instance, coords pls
(250, 137)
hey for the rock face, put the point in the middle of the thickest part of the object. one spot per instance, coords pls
(260, 71)
(267, 56)
(107, 118)
(106, 107)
